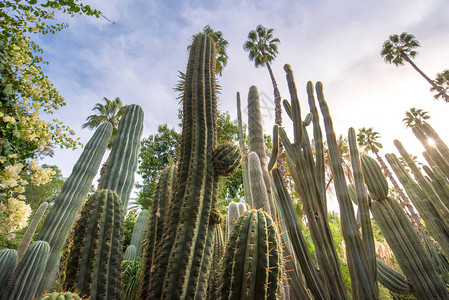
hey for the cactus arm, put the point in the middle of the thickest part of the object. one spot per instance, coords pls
(31, 230)
(61, 217)
(259, 193)
(393, 280)
(287, 108)
(296, 110)
(123, 159)
(275, 150)
(246, 188)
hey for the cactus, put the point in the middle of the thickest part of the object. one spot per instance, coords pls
(139, 230)
(413, 259)
(226, 159)
(8, 261)
(61, 296)
(61, 217)
(185, 252)
(256, 144)
(24, 282)
(122, 162)
(31, 230)
(218, 254)
(257, 183)
(233, 215)
(393, 280)
(246, 188)
(158, 219)
(252, 264)
(93, 267)
(130, 253)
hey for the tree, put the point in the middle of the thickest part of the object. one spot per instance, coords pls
(26, 93)
(415, 117)
(37, 194)
(110, 112)
(157, 151)
(442, 81)
(367, 139)
(263, 48)
(400, 48)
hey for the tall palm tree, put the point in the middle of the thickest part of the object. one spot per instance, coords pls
(400, 48)
(415, 117)
(110, 112)
(367, 139)
(263, 48)
(442, 81)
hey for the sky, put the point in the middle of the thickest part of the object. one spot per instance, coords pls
(137, 58)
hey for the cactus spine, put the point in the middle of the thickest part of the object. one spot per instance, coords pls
(24, 282)
(122, 162)
(256, 144)
(31, 230)
(252, 264)
(93, 267)
(60, 219)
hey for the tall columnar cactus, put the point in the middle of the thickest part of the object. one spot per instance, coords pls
(184, 253)
(122, 162)
(24, 282)
(256, 143)
(31, 230)
(61, 217)
(8, 261)
(93, 267)
(233, 215)
(216, 265)
(252, 264)
(139, 230)
(242, 144)
(130, 253)
(158, 219)
(412, 257)
(393, 280)
(259, 194)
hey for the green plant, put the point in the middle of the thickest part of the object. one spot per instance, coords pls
(8, 261)
(60, 296)
(61, 217)
(94, 265)
(139, 230)
(252, 264)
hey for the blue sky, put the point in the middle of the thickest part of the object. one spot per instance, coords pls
(335, 42)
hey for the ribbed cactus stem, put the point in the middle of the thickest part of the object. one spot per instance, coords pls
(242, 208)
(24, 282)
(233, 215)
(130, 253)
(94, 264)
(393, 280)
(259, 193)
(122, 162)
(8, 261)
(139, 230)
(246, 188)
(413, 259)
(252, 264)
(61, 217)
(256, 143)
(61, 296)
(31, 230)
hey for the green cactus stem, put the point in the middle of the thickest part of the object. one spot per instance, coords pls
(8, 261)
(393, 280)
(226, 158)
(60, 219)
(259, 193)
(94, 264)
(246, 188)
(25, 280)
(31, 230)
(130, 253)
(139, 230)
(233, 215)
(275, 150)
(122, 162)
(252, 264)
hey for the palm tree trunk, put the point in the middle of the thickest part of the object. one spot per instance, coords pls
(412, 215)
(432, 83)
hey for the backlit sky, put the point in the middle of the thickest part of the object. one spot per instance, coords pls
(335, 42)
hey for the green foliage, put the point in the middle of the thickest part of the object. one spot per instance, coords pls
(261, 45)
(398, 47)
(367, 139)
(415, 117)
(158, 151)
(442, 81)
(130, 221)
(131, 271)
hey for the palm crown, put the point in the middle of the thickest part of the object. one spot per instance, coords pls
(442, 81)
(261, 45)
(367, 138)
(109, 112)
(415, 117)
(399, 47)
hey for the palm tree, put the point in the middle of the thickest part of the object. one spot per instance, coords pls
(400, 48)
(442, 81)
(263, 48)
(367, 139)
(110, 112)
(415, 117)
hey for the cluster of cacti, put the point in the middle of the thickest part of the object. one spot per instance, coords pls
(61, 296)
(235, 209)
(252, 262)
